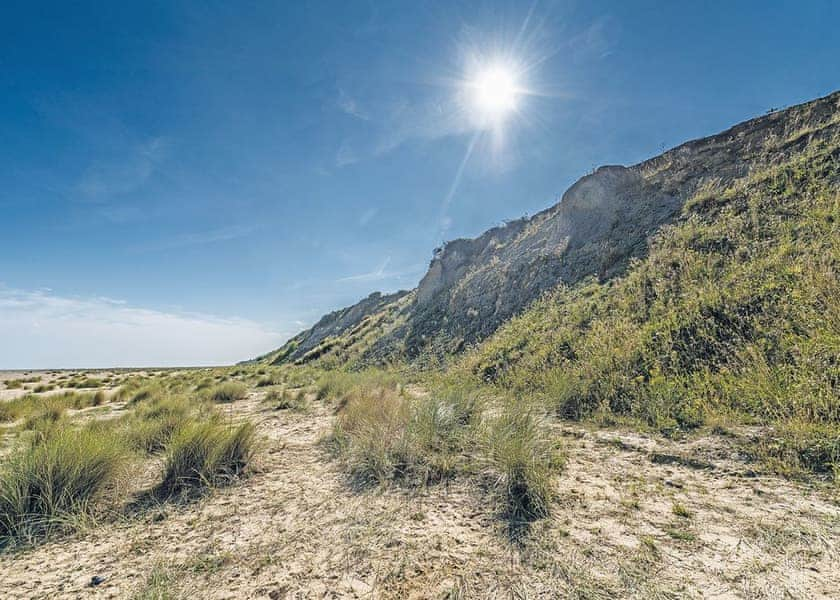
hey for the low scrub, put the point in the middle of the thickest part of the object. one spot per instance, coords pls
(86, 382)
(47, 417)
(336, 385)
(206, 454)
(371, 434)
(137, 391)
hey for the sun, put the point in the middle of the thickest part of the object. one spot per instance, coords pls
(494, 93)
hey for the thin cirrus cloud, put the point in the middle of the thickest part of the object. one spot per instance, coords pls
(398, 122)
(45, 330)
(198, 238)
(381, 273)
(105, 179)
(350, 106)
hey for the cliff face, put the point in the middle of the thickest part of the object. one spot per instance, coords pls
(474, 285)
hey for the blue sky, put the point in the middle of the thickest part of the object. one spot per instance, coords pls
(192, 182)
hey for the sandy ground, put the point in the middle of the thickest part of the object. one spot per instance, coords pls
(296, 529)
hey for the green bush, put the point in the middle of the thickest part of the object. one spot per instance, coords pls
(46, 418)
(86, 382)
(31, 404)
(370, 434)
(141, 393)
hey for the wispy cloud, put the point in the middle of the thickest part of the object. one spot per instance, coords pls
(350, 106)
(381, 273)
(105, 179)
(367, 216)
(198, 238)
(399, 120)
(58, 331)
(375, 275)
(345, 155)
(595, 42)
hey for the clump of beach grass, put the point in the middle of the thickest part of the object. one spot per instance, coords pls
(227, 392)
(57, 480)
(205, 454)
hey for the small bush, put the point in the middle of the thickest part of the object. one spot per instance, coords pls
(336, 385)
(205, 383)
(796, 447)
(227, 392)
(206, 454)
(141, 394)
(61, 476)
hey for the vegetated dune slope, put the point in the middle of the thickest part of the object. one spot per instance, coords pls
(605, 219)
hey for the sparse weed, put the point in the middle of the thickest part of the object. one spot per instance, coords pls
(287, 399)
(162, 583)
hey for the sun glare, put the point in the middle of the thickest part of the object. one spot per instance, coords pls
(495, 93)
